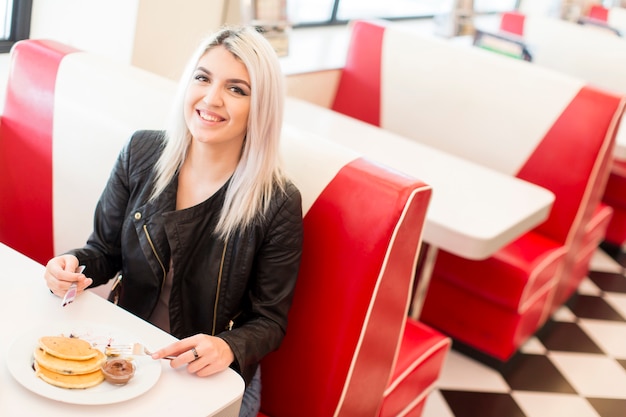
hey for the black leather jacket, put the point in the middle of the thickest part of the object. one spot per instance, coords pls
(240, 290)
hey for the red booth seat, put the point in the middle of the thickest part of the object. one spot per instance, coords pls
(541, 126)
(615, 197)
(595, 232)
(599, 59)
(351, 301)
(421, 357)
(58, 145)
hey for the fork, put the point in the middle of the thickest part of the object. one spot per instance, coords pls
(71, 291)
(130, 349)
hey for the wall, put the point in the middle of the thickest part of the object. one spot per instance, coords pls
(306, 86)
(565, 9)
(168, 32)
(157, 35)
(102, 26)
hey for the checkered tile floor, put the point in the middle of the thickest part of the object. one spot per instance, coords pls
(575, 367)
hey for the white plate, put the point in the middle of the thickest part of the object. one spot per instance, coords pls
(20, 361)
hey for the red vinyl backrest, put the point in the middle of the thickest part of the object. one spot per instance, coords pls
(26, 148)
(590, 122)
(512, 22)
(358, 92)
(570, 159)
(579, 145)
(361, 238)
(598, 12)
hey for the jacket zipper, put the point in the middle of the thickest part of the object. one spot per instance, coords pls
(231, 322)
(219, 284)
(145, 230)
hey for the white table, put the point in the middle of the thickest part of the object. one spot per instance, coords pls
(27, 304)
(474, 211)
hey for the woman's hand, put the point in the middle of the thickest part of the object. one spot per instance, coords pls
(60, 273)
(203, 354)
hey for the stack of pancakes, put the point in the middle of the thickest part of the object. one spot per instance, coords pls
(68, 362)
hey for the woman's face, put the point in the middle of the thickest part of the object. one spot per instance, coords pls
(217, 101)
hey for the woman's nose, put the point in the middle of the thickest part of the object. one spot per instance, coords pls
(212, 96)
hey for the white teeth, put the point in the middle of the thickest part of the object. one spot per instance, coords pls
(209, 118)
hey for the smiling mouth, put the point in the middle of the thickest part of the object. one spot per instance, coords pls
(209, 117)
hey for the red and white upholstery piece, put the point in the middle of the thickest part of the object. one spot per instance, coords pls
(513, 22)
(599, 58)
(598, 12)
(351, 300)
(615, 197)
(26, 150)
(541, 126)
(614, 17)
(68, 114)
(420, 359)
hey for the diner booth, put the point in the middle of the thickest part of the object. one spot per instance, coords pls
(613, 18)
(461, 101)
(350, 348)
(598, 56)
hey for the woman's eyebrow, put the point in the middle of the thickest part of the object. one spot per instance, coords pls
(238, 81)
(230, 80)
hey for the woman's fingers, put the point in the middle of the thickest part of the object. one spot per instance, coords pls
(60, 273)
(202, 354)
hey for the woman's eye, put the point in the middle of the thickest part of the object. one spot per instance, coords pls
(201, 77)
(238, 90)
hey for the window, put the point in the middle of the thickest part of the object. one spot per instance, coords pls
(491, 6)
(325, 12)
(14, 22)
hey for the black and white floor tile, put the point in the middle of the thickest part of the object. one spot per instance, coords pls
(574, 367)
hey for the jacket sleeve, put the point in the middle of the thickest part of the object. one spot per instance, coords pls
(276, 269)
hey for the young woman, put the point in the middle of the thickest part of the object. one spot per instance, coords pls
(200, 220)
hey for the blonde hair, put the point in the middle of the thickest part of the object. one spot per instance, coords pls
(258, 172)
